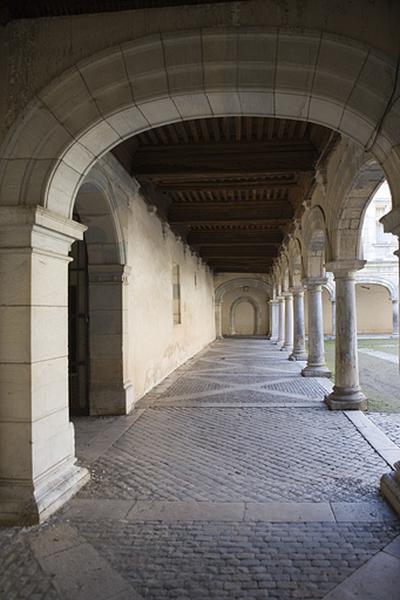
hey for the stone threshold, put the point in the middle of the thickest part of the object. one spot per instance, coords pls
(376, 579)
(376, 438)
(271, 512)
(77, 570)
(318, 403)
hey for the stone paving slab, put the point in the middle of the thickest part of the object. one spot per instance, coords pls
(78, 571)
(186, 511)
(289, 512)
(21, 576)
(381, 443)
(363, 512)
(377, 579)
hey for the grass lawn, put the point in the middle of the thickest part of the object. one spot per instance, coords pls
(380, 379)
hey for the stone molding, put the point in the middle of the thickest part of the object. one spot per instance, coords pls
(345, 268)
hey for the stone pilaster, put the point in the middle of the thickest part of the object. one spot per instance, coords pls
(299, 349)
(218, 320)
(316, 366)
(347, 392)
(37, 462)
(274, 326)
(110, 392)
(288, 344)
(281, 322)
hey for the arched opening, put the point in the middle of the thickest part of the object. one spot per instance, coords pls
(245, 316)
(227, 295)
(98, 384)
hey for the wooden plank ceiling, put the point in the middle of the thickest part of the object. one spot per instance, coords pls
(230, 187)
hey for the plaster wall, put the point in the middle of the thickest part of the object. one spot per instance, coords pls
(374, 309)
(245, 315)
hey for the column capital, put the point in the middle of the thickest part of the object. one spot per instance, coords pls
(37, 229)
(309, 282)
(297, 290)
(108, 273)
(345, 268)
(287, 293)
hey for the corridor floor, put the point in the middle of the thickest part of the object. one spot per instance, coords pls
(230, 480)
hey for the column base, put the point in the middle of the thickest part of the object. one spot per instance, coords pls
(112, 401)
(346, 399)
(298, 356)
(316, 371)
(390, 488)
(287, 347)
(25, 503)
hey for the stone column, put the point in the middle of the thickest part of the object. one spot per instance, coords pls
(281, 322)
(346, 393)
(274, 320)
(316, 366)
(299, 349)
(37, 450)
(288, 345)
(110, 392)
(333, 306)
(269, 310)
(395, 317)
(218, 320)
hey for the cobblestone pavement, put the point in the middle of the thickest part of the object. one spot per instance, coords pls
(389, 423)
(230, 480)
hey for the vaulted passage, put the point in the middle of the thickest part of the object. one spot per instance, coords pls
(194, 196)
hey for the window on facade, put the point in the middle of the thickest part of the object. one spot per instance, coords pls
(380, 232)
(176, 294)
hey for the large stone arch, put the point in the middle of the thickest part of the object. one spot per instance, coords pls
(296, 262)
(315, 242)
(257, 314)
(375, 279)
(150, 82)
(346, 237)
(231, 284)
(110, 392)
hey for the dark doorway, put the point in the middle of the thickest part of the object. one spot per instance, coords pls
(78, 330)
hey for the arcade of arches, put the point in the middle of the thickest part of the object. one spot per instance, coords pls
(208, 169)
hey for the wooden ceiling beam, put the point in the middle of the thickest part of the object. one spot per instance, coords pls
(163, 162)
(226, 186)
(269, 213)
(236, 251)
(222, 238)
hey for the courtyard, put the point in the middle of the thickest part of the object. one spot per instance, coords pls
(229, 480)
